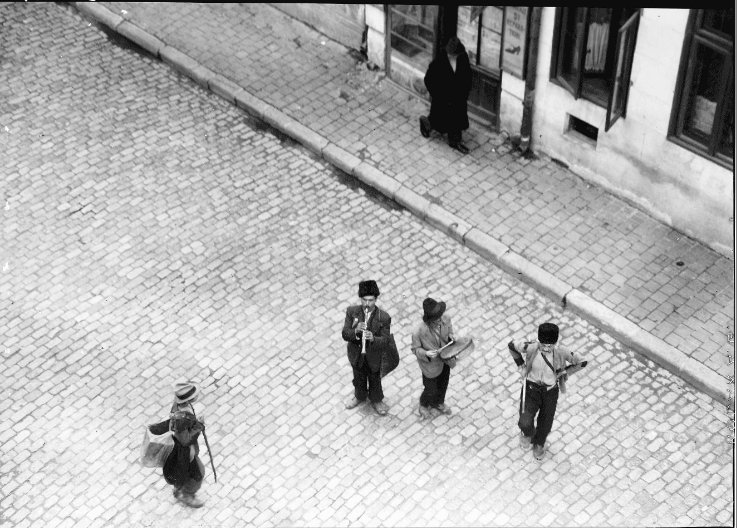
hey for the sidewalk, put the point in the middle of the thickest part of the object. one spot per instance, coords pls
(654, 289)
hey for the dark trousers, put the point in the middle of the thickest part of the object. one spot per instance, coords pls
(367, 383)
(544, 402)
(454, 137)
(434, 393)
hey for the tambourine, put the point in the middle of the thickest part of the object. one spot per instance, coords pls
(459, 348)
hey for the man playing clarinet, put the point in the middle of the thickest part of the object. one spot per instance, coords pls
(366, 330)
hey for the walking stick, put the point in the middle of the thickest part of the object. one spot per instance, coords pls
(209, 451)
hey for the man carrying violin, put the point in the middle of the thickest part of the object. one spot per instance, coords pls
(366, 330)
(543, 366)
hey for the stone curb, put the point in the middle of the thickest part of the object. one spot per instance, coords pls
(412, 201)
(140, 37)
(100, 13)
(224, 87)
(446, 221)
(341, 158)
(650, 346)
(370, 175)
(186, 65)
(534, 275)
(306, 136)
(486, 246)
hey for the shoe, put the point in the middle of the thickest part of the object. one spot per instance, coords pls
(525, 441)
(538, 451)
(381, 408)
(425, 412)
(444, 409)
(353, 402)
(425, 127)
(460, 147)
(190, 500)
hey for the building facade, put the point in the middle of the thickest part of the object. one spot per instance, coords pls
(638, 101)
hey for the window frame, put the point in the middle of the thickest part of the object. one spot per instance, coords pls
(629, 51)
(696, 35)
(557, 57)
(390, 13)
(576, 89)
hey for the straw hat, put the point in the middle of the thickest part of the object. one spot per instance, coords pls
(186, 391)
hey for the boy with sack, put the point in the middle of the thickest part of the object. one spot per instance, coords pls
(183, 468)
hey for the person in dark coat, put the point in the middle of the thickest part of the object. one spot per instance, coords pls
(448, 79)
(183, 469)
(366, 330)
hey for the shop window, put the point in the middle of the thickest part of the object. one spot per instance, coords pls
(413, 29)
(703, 109)
(479, 28)
(593, 53)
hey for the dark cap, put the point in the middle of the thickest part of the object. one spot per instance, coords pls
(368, 287)
(547, 333)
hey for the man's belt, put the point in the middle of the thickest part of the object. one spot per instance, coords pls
(542, 386)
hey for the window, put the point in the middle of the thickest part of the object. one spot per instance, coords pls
(703, 108)
(413, 29)
(592, 56)
(480, 30)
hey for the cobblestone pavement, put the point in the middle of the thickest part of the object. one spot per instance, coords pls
(584, 236)
(151, 231)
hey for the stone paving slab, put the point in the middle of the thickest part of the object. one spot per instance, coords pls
(689, 348)
(152, 231)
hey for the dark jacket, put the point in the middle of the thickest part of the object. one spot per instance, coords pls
(379, 324)
(449, 92)
(178, 467)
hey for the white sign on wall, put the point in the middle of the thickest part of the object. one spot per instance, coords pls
(515, 33)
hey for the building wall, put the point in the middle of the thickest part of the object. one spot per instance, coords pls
(376, 22)
(510, 104)
(634, 158)
(343, 23)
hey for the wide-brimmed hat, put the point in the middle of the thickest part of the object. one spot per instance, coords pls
(547, 333)
(185, 391)
(432, 309)
(368, 287)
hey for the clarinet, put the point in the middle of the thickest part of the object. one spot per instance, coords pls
(363, 334)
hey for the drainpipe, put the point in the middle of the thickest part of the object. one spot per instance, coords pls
(525, 130)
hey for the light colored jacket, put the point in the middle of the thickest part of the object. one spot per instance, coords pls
(425, 340)
(524, 352)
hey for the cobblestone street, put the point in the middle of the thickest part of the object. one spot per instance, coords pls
(151, 231)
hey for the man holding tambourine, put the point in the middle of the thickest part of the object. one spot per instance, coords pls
(436, 350)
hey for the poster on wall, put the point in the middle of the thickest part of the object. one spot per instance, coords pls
(515, 33)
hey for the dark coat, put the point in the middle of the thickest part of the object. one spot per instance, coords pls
(178, 468)
(449, 92)
(379, 325)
